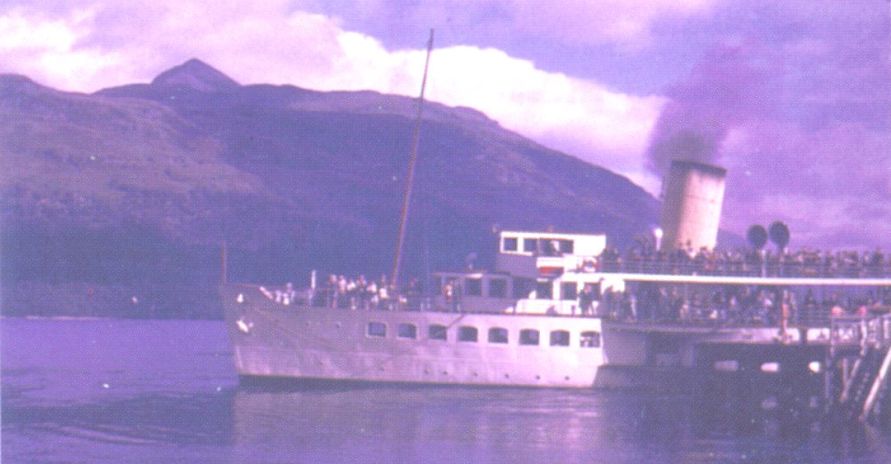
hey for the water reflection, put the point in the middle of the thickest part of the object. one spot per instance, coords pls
(373, 423)
(419, 423)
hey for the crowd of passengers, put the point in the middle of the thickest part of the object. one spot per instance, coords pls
(741, 262)
(339, 291)
(736, 305)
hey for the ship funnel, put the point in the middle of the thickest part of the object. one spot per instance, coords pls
(691, 209)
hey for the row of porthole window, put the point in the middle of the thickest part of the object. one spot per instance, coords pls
(497, 335)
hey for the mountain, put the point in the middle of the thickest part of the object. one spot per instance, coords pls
(197, 75)
(117, 202)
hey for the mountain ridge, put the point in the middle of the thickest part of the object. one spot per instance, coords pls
(131, 192)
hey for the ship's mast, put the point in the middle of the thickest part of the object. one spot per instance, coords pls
(409, 180)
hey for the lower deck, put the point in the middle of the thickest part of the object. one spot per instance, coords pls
(408, 346)
(436, 347)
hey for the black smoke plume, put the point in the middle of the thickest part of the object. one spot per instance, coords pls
(723, 90)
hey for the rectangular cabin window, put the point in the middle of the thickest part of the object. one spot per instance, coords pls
(467, 334)
(407, 331)
(529, 337)
(550, 247)
(567, 247)
(497, 288)
(497, 335)
(437, 284)
(590, 340)
(510, 244)
(522, 287)
(569, 291)
(437, 332)
(544, 290)
(377, 329)
(473, 287)
(530, 245)
(559, 338)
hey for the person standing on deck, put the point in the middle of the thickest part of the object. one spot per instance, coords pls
(371, 293)
(383, 293)
(459, 293)
(785, 312)
(586, 300)
(341, 289)
(448, 294)
(331, 291)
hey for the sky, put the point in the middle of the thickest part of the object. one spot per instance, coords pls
(792, 97)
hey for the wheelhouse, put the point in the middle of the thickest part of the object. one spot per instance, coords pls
(535, 272)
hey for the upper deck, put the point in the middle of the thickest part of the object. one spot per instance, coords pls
(538, 254)
(570, 274)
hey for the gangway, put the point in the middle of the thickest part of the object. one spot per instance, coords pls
(868, 380)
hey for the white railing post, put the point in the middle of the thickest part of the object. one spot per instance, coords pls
(876, 387)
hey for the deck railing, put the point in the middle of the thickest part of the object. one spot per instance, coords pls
(741, 268)
(873, 331)
(845, 330)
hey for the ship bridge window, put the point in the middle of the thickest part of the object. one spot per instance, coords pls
(522, 287)
(559, 338)
(529, 337)
(510, 244)
(550, 247)
(544, 290)
(473, 287)
(377, 329)
(590, 339)
(498, 288)
(569, 291)
(497, 335)
(437, 332)
(567, 246)
(407, 331)
(467, 334)
(530, 245)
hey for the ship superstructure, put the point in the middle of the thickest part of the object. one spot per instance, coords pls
(519, 324)
(555, 311)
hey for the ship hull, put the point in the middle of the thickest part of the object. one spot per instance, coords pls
(275, 341)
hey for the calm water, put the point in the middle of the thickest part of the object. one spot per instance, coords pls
(165, 391)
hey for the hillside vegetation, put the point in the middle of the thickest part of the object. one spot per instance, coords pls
(130, 192)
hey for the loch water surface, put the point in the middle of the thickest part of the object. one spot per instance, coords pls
(112, 391)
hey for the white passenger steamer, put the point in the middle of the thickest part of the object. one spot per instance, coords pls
(506, 327)
(526, 323)
(545, 316)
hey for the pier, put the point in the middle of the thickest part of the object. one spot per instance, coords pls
(844, 375)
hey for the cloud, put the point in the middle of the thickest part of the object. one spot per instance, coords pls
(579, 116)
(49, 48)
(627, 22)
(122, 42)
